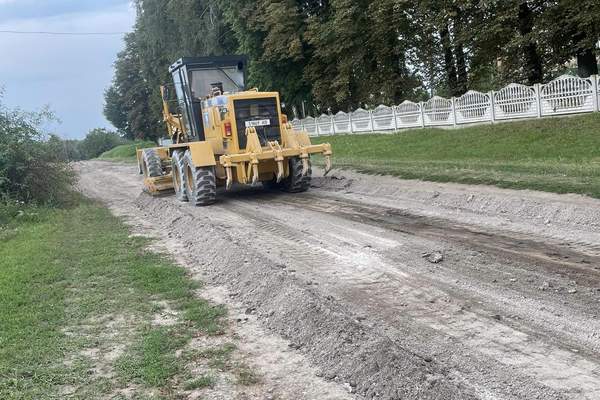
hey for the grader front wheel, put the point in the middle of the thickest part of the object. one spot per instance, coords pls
(200, 182)
(151, 164)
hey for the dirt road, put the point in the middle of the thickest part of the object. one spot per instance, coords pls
(397, 289)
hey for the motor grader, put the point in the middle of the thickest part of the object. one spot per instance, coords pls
(221, 134)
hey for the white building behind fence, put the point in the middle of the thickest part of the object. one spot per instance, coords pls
(564, 95)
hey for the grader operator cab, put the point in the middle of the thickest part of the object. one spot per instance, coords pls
(221, 134)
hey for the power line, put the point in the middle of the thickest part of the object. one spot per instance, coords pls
(63, 33)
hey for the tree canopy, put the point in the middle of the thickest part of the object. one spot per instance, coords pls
(332, 55)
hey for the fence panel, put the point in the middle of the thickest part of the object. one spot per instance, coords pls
(515, 101)
(566, 95)
(383, 118)
(438, 112)
(310, 126)
(361, 121)
(296, 124)
(473, 107)
(342, 122)
(408, 115)
(325, 125)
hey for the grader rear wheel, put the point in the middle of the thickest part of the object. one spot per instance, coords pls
(200, 182)
(151, 163)
(177, 170)
(295, 182)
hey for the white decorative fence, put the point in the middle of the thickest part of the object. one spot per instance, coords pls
(564, 95)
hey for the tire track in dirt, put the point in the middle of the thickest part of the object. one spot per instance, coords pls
(375, 287)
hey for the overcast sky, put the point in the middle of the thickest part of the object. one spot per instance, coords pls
(68, 73)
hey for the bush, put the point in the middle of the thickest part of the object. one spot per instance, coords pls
(68, 149)
(31, 171)
(98, 141)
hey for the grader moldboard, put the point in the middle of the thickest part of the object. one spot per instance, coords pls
(223, 134)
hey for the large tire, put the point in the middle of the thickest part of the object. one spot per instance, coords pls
(295, 182)
(200, 183)
(152, 164)
(177, 170)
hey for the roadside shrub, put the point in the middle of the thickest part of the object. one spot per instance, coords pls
(99, 141)
(69, 149)
(30, 171)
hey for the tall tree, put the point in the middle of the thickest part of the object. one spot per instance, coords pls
(577, 35)
(391, 38)
(533, 63)
(127, 100)
(271, 34)
(342, 63)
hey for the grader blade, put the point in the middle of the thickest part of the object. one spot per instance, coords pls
(159, 185)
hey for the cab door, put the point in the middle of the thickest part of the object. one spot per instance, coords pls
(189, 105)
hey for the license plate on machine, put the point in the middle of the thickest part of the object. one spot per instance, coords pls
(261, 122)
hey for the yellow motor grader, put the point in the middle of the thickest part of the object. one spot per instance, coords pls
(221, 134)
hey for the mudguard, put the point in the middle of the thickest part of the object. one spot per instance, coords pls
(202, 154)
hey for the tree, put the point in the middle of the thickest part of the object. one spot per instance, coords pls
(344, 54)
(533, 63)
(127, 104)
(577, 35)
(30, 171)
(276, 50)
(391, 40)
(341, 64)
(98, 141)
(115, 108)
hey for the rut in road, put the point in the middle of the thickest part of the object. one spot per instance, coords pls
(505, 315)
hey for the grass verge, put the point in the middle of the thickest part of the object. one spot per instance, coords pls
(78, 304)
(559, 155)
(125, 152)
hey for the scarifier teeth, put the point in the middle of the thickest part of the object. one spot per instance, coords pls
(304, 167)
(229, 182)
(254, 174)
(279, 171)
(327, 164)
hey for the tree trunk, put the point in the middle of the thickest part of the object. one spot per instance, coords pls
(587, 64)
(459, 52)
(449, 65)
(533, 62)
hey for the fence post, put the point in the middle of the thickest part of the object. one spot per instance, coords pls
(493, 106)
(317, 129)
(351, 127)
(538, 95)
(422, 114)
(332, 125)
(453, 112)
(395, 119)
(372, 121)
(596, 92)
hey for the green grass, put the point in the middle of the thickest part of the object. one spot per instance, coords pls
(74, 281)
(201, 382)
(126, 152)
(554, 154)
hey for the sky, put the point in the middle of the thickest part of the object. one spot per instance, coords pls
(67, 73)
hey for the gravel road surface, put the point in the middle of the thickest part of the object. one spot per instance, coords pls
(391, 289)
